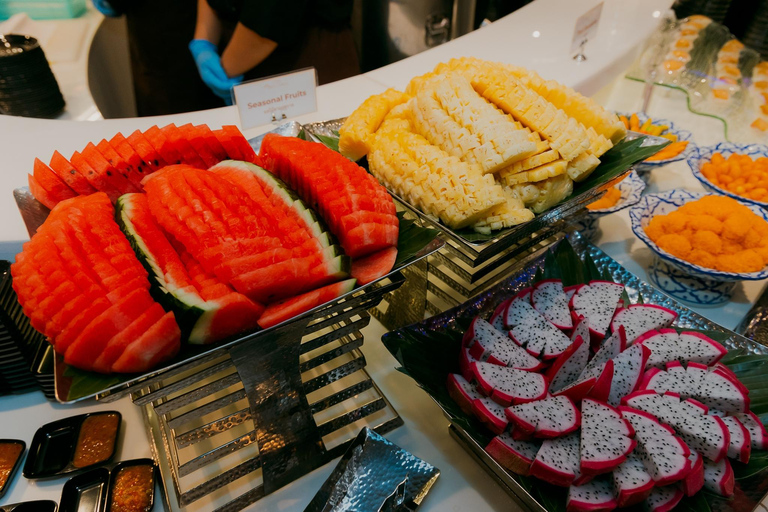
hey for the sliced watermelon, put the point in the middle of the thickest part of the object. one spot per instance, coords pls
(117, 162)
(116, 345)
(370, 268)
(147, 151)
(131, 157)
(202, 321)
(158, 343)
(67, 172)
(283, 310)
(100, 164)
(321, 176)
(163, 146)
(183, 147)
(40, 193)
(207, 135)
(229, 144)
(237, 138)
(199, 144)
(96, 179)
(51, 182)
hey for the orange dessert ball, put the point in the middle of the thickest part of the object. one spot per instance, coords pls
(739, 174)
(713, 232)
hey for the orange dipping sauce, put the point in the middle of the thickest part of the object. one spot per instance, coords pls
(133, 488)
(96, 441)
(9, 455)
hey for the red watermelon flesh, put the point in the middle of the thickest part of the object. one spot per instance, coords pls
(131, 157)
(48, 179)
(159, 343)
(40, 193)
(148, 153)
(116, 161)
(374, 266)
(96, 180)
(198, 144)
(229, 145)
(188, 154)
(67, 172)
(283, 310)
(120, 341)
(80, 321)
(237, 138)
(207, 135)
(372, 236)
(109, 173)
(165, 148)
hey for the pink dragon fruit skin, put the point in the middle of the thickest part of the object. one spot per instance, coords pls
(602, 386)
(694, 480)
(547, 418)
(663, 499)
(516, 456)
(465, 363)
(631, 482)
(664, 455)
(578, 390)
(462, 392)
(594, 496)
(490, 413)
(597, 302)
(719, 477)
(549, 299)
(638, 319)
(523, 418)
(740, 447)
(605, 438)
(557, 461)
(757, 432)
(568, 366)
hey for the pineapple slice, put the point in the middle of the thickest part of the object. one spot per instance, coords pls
(364, 121)
(541, 173)
(543, 195)
(511, 213)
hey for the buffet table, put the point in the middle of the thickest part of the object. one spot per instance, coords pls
(530, 37)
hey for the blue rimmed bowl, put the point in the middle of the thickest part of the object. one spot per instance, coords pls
(704, 154)
(679, 278)
(646, 165)
(631, 189)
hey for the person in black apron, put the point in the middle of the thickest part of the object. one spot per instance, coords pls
(238, 40)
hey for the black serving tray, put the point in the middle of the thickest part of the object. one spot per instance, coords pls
(92, 491)
(16, 464)
(31, 506)
(53, 447)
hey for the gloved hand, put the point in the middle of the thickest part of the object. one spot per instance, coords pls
(105, 8)
(209, 65)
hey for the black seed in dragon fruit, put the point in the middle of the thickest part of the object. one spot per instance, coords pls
(663, 499)
(632, 484)
(627, 371)
(664, 455)
(548, 418)
(597, 301)
(694, 480)
(549, 299)
(462, 392)
(740, 446)
(719, 477)
(568, 366)
(605, 438)
(756, 429)
(487, 344)
(596, 495)
(557, 461)
(638, 319)
(516, 456)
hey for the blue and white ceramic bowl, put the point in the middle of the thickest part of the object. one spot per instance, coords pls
(704, 154)
(646, 165)
(631, 189)
(679, 278)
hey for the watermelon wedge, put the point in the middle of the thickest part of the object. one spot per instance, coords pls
(162, 146)
(283, 310)
(147, 151)
(207, 135)
(117, 162)
(202, 320)
(188, 154)
(51, 182)
(131, 157)
(96, 179)
(67, 172)
(229, 144)
(370, 268)
(199, 144)
(100, 164)
(40, 193)
(239, 140)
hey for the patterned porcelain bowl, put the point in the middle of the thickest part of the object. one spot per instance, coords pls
(631, 189)
(646, 165)
(679, 278)
(703, 155)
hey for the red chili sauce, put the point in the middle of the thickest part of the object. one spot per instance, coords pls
(9, 454)
(132, 491)
(96, 441)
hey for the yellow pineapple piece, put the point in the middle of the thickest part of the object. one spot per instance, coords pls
(582, 166)
(543, 195)
(364, 121)
(509, 214)
(541, 173)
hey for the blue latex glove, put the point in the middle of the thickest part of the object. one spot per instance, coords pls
(105, 8)
(209, 65)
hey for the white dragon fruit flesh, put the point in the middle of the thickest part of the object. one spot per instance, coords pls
(663, 499)
(517, 456)
(757, 433)
(605, 438)
(490, 413)
(508, 385)
(631, 482)
(740, 447)
(592, 496)
(597, 301)
(517, 309)
(627, 371)
(719, 477)
(548, 418)
(549, 299)
(664, 455)
(557, 461)
(567, 368)
(537, 334)
(487, 344)
(638, 319)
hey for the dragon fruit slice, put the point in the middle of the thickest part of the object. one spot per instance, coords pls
(638, 319)
(632, 484)
(594, 496)
(605, 438)
(548, 418)
(569, 365)
(497, 318)
(518, 308)
(487, 344)
(719, 477)
(667, 345)
(557, 461)
(597, 301)
(536, 333)
(490, 413)
(508, 385)
(740, 447)
(664, 455)
(465, 363)
(756, 429)
(694, 481)
(516, 456)
(462, 392)
(627, 371)
(602, 387)
(610, 348)
(577, 390)
(663, 499)
(549, 299)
